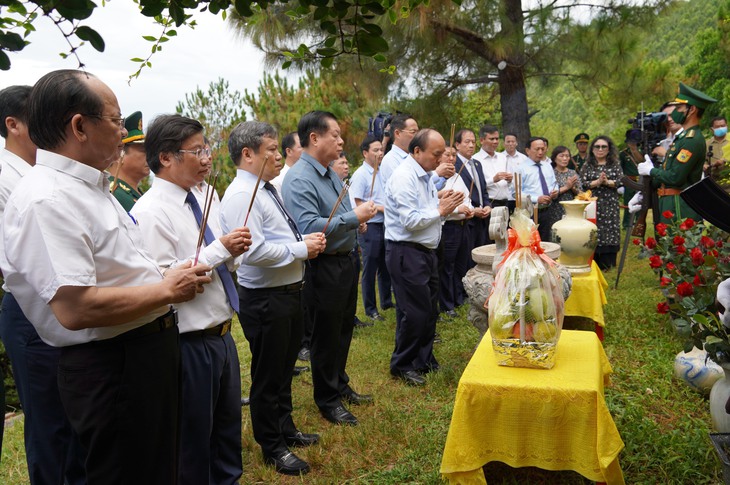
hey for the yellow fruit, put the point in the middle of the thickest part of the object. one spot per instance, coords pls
(544, 332)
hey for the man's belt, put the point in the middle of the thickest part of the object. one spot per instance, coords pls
(160, 324)
(217, 331)
(662, 192)
(338, 254)
(456, 223)
(292, 287)
(413, 245)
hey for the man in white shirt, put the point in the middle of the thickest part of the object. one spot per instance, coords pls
(403, 127)
(513, 156)
(52, 449)
(291, 150)
(271, 280)
(88, 286)
(170, 218)
(538, 182)
(497, 168)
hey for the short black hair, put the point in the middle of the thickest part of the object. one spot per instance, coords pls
(313, 122)
(533, 139)
(420, 140)
(717, 118)
(509, 133)
(248, 134)
(365, 145)
(487, 129)
(13, 103)
(54, 100)
(166, 134)
(399, 122)
(288, 141)
(460, 134)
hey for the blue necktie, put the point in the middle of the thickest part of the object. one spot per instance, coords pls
(222, 270)
(280, 204)
(543, 182)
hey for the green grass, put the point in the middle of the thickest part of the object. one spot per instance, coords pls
(400, 438)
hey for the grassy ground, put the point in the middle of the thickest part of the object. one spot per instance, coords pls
(401, 437)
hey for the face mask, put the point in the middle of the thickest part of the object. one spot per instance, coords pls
(679, 116)
(720, 132)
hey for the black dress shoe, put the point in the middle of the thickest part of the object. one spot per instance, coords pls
(357, 399)
(303, 354)
(450, 313)
(245, 401)
(437, 338)
(302, 439)
(375, 316)
(300, 369)
(287, 463)
(339, 415)
(361, 324)
(410, 377)
(387, 306)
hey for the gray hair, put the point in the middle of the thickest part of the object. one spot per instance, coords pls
(248, 134)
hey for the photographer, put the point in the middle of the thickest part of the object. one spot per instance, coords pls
(683, 163)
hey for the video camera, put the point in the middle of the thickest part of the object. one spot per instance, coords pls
(377, 125)
(653, 127)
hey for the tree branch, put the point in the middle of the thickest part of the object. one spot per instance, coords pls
(469, 39)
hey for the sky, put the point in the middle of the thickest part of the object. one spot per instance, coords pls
(194, 58)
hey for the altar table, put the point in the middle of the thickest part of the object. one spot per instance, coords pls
(587, 297)
(554, 419)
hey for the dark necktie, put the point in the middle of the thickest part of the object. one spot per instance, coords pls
(543, 182)
(222, 270)
(282, 209)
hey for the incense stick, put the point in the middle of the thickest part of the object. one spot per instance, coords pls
(375, 172)
(208, 204)
(451, 140)
(115, 182)
(457, 175)
(344, 190)
(255, 189)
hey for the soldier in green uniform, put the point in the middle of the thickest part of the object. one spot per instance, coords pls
(128, 172)
(683, 164)
(630, 157)
(581, 143)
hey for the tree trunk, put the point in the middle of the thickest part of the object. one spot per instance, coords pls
(513, 100)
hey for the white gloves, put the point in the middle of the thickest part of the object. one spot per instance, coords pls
(620, 191)
(723, 297)
(645, 166)
(635, 202)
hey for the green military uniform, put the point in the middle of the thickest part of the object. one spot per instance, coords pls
(576, 161)
(125, 193)
(683, 163)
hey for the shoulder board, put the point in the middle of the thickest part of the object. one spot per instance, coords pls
(691, 133)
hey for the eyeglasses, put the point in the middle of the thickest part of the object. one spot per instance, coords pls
(600, 147)
(118, 121)
(200, 152)
(412, 131)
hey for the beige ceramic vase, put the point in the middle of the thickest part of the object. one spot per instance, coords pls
(577, 236)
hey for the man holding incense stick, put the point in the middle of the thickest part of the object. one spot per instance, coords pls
(311, 192)
(270, 290)
(172, 220)
(88, 286)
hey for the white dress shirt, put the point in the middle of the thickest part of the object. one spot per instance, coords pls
(456, 183)
(515, 159)
(473, 170)
(360, 184)
(275, 257)
(170, 233)
(199, 193)
(411, 206)
(392, 160)
(62, 227)
(491, 166)
(14, 169)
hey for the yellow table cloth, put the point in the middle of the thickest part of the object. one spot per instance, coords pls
(553, 419)
(588, 295)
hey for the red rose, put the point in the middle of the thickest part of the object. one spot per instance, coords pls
(662, 307)
(685, 289)
(697, 256)
(678, 240)
(697, 281)
(650, 243)
(655, 261)
(661, 229)
(667, 214)
(718, 243)
(707, 242)
(690, 223)
(681, 249)
(636, 242)
(664, 281)
(713, 252)
(670, 267)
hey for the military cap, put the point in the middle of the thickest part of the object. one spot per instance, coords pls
(693, 97)
(133, 124)
(633, 136)
(581, 137)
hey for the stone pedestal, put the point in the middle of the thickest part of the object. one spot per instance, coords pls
(479, 280)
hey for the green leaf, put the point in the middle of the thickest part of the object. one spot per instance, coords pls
(379, 58)
(4, 61)
(11, 41)
(369, 45)
(326, 62)
(286, 65)
(136, 59)
(17, 7)
(243, 7)
(87, 33)
(320, 13)
(150, 38)
(75, 9)
(392, 16)
(330, 41)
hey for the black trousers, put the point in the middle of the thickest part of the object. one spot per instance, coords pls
(373, 265)
(454, 264)
(543, 224)
(122, 397)
(334, 290)
(52, 449)
(272, 323)
(415, 283)
(477, 235)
